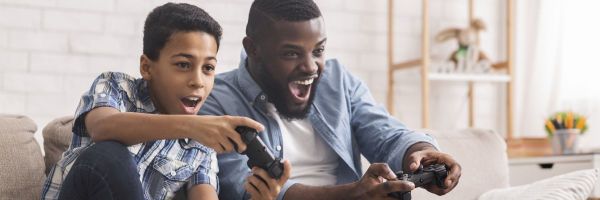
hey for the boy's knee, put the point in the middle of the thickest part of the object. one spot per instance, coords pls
(106, 153)
(110, 147)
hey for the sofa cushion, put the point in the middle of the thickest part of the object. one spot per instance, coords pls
(22, 165)
(572, 186)
(482, 156)
(57, 138)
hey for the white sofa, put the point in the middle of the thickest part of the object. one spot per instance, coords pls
(485, 172)
(481, 153)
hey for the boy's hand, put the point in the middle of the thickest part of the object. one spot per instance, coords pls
(218, 132)
(262, 187)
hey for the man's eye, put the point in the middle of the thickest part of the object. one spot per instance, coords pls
(290, 54)
(319, 52)
(183, 65)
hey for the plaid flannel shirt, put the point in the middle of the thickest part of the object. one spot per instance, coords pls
(164, 166)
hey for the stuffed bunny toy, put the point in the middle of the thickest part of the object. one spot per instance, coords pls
(468, 57)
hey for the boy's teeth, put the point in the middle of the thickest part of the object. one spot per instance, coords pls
(305, 82)
(193, 98)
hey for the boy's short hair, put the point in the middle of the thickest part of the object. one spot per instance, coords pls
(169, 18)
(288, 10)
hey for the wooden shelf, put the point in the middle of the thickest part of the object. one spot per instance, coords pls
(501, 78)
(528, 147)
(424, 63)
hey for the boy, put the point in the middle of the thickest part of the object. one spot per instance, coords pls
(130, 135)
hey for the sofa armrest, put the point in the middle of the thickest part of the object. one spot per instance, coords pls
(21, 162)
(482, 156)
(57, 138)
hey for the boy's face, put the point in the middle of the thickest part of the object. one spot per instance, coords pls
(290, 61)
(183, 75)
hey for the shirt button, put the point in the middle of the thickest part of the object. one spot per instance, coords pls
(172, 173)
(278, 147)
(262, 97)
(102, 95)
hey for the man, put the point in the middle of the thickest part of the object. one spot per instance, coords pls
(316, 115)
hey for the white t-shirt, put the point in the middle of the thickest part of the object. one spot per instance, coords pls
(313, 161)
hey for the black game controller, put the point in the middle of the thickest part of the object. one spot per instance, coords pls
(432, 174)
(258, 153)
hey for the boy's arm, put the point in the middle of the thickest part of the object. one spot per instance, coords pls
(216, 132)
(202, 191)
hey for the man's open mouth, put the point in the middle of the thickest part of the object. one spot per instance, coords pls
(300, 89)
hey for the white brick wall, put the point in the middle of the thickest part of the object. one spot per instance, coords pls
(13, 61)
(72, 21)
(15, 17)
(51, 50)
(37, 41)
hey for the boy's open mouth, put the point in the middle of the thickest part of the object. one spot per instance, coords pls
(190, 104)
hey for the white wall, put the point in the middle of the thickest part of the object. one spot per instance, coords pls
(51, 50)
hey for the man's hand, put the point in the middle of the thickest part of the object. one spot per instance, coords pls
(218, 132)
(378, 182)
(419, 154)
(262, 187)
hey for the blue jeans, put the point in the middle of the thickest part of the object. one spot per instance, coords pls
(106, 170)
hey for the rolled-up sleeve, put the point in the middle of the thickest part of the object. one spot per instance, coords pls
(104, 92)
(286, 186)
(380, 137)
(207, 171)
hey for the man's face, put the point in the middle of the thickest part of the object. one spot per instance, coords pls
(183, 75)
(290, 61)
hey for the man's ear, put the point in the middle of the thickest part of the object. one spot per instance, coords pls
(145, 63)
(249, 46)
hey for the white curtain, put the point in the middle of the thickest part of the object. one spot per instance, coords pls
(557, 64)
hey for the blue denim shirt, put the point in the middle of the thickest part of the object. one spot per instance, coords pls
(343, 113)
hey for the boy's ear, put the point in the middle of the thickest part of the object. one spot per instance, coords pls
(145, 63)
(249, 46)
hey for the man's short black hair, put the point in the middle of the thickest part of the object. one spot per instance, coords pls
(169, 18)
(264, 11)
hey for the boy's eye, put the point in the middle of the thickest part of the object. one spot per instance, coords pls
(183, 65)
(209, 68)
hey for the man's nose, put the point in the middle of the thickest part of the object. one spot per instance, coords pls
(310, 65)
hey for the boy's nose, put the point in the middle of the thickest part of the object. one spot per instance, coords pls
(196, 81)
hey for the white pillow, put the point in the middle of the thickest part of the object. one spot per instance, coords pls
(571, 186)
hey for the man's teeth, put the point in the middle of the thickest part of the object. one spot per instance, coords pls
(304, 82)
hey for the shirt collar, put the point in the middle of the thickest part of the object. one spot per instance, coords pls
(248, 86)
(143, 94)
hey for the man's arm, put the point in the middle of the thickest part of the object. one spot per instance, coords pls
(217, 132)
(377, 182)
(380, 137)
(202, 191)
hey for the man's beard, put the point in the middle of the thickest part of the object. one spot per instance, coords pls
(277, 94)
